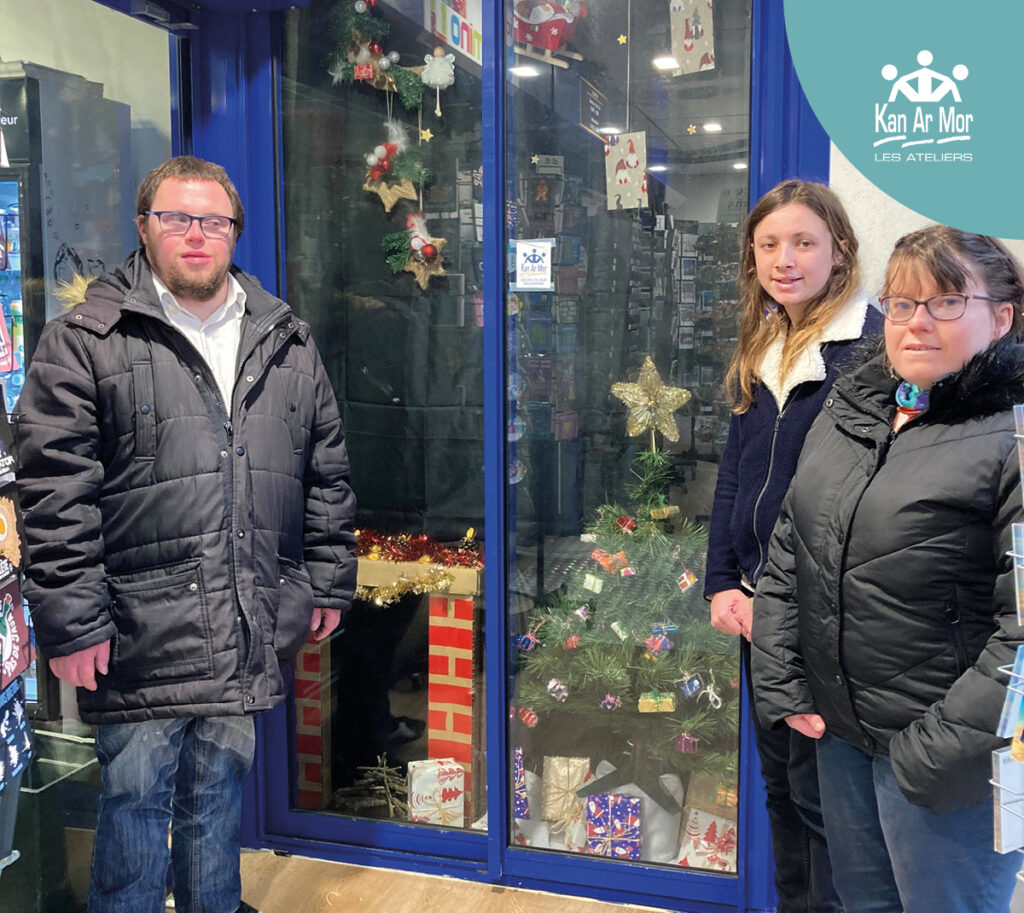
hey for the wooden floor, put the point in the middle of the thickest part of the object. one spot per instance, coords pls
(295, 884)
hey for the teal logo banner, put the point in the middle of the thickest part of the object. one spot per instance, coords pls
(926, 100)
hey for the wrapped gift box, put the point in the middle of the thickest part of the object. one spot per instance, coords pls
(708, 842)
(713, 795)
(613, 826)
(437, 792)
(522, 802)
(562, 777)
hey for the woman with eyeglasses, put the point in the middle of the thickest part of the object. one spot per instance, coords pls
(887, 604)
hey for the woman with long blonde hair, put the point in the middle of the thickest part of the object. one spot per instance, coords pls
(802, 314)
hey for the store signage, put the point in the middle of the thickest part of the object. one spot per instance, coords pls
(533, 265)
(458, 24)
(919, 105)
(14, 139)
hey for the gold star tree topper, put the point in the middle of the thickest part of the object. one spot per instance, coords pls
(651, 404)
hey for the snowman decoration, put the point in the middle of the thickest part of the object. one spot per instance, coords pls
(438, 73)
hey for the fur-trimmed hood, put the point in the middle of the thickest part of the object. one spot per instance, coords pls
(991, 382)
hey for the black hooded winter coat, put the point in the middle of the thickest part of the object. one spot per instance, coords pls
(888, 603)
(197, 538)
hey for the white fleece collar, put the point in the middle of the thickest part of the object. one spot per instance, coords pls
(810, 365)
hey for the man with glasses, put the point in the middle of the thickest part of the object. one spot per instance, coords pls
(189, 524)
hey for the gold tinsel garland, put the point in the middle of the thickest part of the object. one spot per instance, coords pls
(436, 580)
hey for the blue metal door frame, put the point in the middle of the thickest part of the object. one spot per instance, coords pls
(227, 110)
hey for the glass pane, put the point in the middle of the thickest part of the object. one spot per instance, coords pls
(626, 165)
(382, 239)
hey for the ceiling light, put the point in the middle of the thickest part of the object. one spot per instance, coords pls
(610, 131)
(665, 62)
(712, 127)
(740, 166)
(524, 71)
(656, 168)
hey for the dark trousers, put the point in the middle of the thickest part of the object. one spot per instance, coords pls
(803, 870)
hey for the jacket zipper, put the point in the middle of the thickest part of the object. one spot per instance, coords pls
(764, 488)
(956, 632)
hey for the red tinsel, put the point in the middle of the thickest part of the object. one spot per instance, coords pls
(420, 548)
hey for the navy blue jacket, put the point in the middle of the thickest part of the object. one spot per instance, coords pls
(764, 444)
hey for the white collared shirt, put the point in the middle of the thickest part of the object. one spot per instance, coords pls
(215, 338)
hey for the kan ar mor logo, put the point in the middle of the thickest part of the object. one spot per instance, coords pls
(923, 116)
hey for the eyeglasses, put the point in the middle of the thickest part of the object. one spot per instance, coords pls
(179, 223)
(949, 306)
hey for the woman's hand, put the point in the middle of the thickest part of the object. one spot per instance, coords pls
(808, 724)
(732, 612)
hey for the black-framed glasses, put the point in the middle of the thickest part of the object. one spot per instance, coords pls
(178, 223)
(948, 306)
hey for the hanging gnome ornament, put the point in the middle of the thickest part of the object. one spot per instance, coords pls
(439, 73)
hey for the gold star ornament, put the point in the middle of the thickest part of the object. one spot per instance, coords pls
(691, 129)
(534, 159)
(651, 404)
(426, 135)
(622, 39)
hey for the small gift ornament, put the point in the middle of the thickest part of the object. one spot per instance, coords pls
(522, 803)
(626, 524)
(558, 690)
(583, 612)
(628, 572)
(664, 513)
(437, 792)
(687, 743)
(571, 642)
(611, 702)
(656, 702)
(613, 826)
(658, 643)
(664, 629)
(528, 717)
(691, 685)
(620, 631)
(686, 580)
(592, 583)
(528, 641)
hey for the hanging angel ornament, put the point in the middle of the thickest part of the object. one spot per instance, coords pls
(439, 73)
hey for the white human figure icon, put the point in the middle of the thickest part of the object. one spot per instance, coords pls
(925, 84)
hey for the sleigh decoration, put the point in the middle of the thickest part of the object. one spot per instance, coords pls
(544, 29)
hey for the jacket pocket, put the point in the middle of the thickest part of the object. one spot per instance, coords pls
(955, 627)
(163, 625)
(294, 610)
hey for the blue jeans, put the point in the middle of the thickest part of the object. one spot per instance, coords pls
(803, 872)
(186, 773)
(890, 856)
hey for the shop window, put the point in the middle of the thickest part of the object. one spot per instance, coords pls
(626, 172)
(383, 230)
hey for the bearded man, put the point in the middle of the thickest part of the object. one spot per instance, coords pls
(189, 524)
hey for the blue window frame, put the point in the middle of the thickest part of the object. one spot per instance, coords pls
(235, 120)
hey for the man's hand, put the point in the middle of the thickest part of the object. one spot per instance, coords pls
(732, 612)
(808, 724)
(323, 622)
(79, 669)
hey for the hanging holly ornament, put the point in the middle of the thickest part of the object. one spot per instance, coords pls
(359, 55)
(438, 73)
(415, 251)
(393, 168)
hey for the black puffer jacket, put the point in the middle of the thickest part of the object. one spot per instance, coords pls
(888, 600)
(155, 518)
